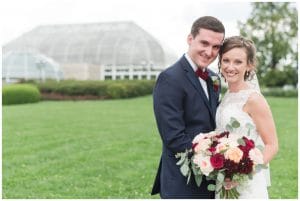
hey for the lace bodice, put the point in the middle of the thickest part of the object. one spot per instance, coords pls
(232, 106)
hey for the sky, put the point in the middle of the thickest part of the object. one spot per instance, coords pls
(169, 21)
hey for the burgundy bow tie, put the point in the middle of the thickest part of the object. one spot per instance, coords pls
(203, 74)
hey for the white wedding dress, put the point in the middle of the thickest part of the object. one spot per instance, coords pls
(232, 106)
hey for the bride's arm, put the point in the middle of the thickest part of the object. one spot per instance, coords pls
(259, 110)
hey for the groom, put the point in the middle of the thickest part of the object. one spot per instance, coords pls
(185, 101)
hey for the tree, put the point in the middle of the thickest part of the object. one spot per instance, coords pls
(273, 27)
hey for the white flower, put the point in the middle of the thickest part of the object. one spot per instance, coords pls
(256, 156)
(202, 143)
(204, 163)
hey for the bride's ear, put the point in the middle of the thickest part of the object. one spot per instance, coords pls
(250, 67)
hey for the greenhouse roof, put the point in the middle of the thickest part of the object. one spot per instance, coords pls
(111, 43)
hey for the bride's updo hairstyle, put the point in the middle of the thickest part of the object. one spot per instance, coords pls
(240, 42)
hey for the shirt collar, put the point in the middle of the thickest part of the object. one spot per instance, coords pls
(189, 59)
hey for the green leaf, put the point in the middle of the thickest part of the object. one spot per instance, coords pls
(198, 179)
(182, 160)
(189, 177)
(220, 177)
(218, 187)
(260, 147)
(184, 169)
(194, 169)
(241, 142)
(235, 124)
(249, 126)
(211, 187)
(250, 176)
(259, 167)
(229, 128)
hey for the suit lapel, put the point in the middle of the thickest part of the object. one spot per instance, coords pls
(196, 83)
(212, 96)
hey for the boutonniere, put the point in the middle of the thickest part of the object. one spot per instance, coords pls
(216, 83)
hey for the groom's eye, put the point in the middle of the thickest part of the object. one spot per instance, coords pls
(225, 60)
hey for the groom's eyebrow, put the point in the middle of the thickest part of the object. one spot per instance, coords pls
(205, 42)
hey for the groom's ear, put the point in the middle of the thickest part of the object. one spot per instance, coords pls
(189, 39)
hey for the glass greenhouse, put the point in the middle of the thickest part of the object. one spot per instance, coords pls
(112, 50)
(26, 65)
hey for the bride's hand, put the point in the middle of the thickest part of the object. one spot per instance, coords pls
(228, 184)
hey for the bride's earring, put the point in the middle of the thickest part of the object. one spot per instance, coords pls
(247, 74)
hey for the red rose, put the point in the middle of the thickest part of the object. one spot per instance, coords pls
(217, 161)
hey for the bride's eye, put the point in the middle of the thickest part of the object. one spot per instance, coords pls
(238, 62)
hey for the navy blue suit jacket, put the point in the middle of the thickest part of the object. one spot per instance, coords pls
(182, 111)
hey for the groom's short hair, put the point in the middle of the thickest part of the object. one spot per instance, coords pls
(207, 22)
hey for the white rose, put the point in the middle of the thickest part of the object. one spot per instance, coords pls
(204, 163)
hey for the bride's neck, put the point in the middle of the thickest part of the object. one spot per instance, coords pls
(235, 87)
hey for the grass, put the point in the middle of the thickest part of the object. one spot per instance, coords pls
(108, 149)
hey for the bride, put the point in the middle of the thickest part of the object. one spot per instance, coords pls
(244, 102)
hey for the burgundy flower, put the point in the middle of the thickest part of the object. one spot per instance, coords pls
(214, 143)
(217, 161)
(231, 168)
(225, 133)
(212, 149)
(245, 166)
(245, 150)
(249, 143)
(216, 87)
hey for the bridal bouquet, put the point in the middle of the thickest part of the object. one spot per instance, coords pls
(225, 157)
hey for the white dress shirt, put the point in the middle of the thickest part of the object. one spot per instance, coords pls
(194, 66)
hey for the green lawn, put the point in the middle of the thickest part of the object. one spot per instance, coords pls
(107, 149)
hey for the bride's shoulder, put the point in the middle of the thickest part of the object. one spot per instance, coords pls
(256, 100)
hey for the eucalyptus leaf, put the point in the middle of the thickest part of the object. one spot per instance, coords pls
(189, 177)
(211, 187)
(249, 126)
(260, 147)
(198, 179)
(259, 167)
(220, 177)
(241, 142)
(194, 169)
(235, 124)
(184, 169)
(229, 128)
(181, 161)
(219, 187)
